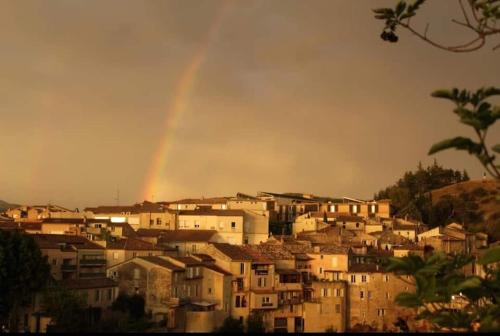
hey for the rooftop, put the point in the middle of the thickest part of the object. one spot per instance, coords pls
(187, 236)
(159, 261)
(54, 241)
(130, 244)
(212, 212)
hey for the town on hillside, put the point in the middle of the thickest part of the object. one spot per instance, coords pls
(303, 263)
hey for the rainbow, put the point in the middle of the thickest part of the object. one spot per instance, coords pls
(182, 91)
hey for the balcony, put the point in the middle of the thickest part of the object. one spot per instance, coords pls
(291, 301)
(267, 304)
(92, 262)
(92, 275)
(68, 268)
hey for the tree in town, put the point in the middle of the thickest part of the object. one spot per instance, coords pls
(133, 305)
(231, 326)
(23, 272)
(66, 308)
(255, 322)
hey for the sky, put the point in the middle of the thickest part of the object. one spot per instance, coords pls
(197, 98)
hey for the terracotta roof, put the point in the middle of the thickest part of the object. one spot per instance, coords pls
(54, 241)
(130, 244)
(234, 252)
(257, 256)
(162, 262)
(389, 237)
(133, 209)
(333, 249)
(127, 230)
(89, 283)
(150, 232)
(212, 212)
(187, 236)
(365, 268)
(188, 261)
(64, 220)
(302, 257)
(204, 257)
(30, 225)
(345, 218)
(212, 200)
(274, 252)
(216, 269)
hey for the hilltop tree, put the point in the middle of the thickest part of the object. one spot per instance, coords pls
(23, 272)
(410, 195)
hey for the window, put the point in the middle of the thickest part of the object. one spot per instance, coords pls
(175, 292)
(321, 257)
(363, 278)
(137, 274)
(321, 270)
(381, 312)
(209, 290)
(337, 309)
(353, 278)
(369, 294)
(242, 268)
(151, 221)
(158, 221)
(266, 300)
(329, 292)
(386, 278)
(387, 295)
(196, 224)
(261, 282)
(233, 225)
(361, 294)
(97, 295)
(357, 225)
(110, 294)
(245, 241)
(54, 261)
(134, 254)
(193, 248)
(238, 302)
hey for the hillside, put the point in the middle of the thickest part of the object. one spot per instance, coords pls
(475, 202)
(5, 205)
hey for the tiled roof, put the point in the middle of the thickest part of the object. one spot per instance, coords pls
(64, 220)
(302, 257)
(234, 252)
(345, 218)
(89, 283)
(204, 257)
(54, 241)
(212, 200)
(133, 209)
(389, 237)
(162, 262)
(257, 256)
(274, 252)
(30, 225)
(150, 232)
(212, 212)
(188, 261)
(365, 268)
(333, 249)
(187, 236)
(130, 244)
(216, 269)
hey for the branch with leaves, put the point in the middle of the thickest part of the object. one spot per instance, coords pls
(476, 112)
(445, 296)
(479, 16)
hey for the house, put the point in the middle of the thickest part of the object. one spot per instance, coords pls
(186, 242)
(119, 250)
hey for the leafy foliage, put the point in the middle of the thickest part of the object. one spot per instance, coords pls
(23, 271)
(476, 112)
(445, 296)
(480, 16)
(66, 308)
(255, 323)
(231, 326)
(133, 305)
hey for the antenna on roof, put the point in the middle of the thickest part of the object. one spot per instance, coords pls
(117, 199)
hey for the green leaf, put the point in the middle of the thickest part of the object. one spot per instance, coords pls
(471, 282)
(400, 7)
(491, 91)
(406, 299)
(460, 143)
(496, 148)
(492, 255)
(383, 11)
(446, 94)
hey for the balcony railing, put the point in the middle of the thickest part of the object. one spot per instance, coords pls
(68, 267)
(267, 304)
(92, 262)
(93, 275)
